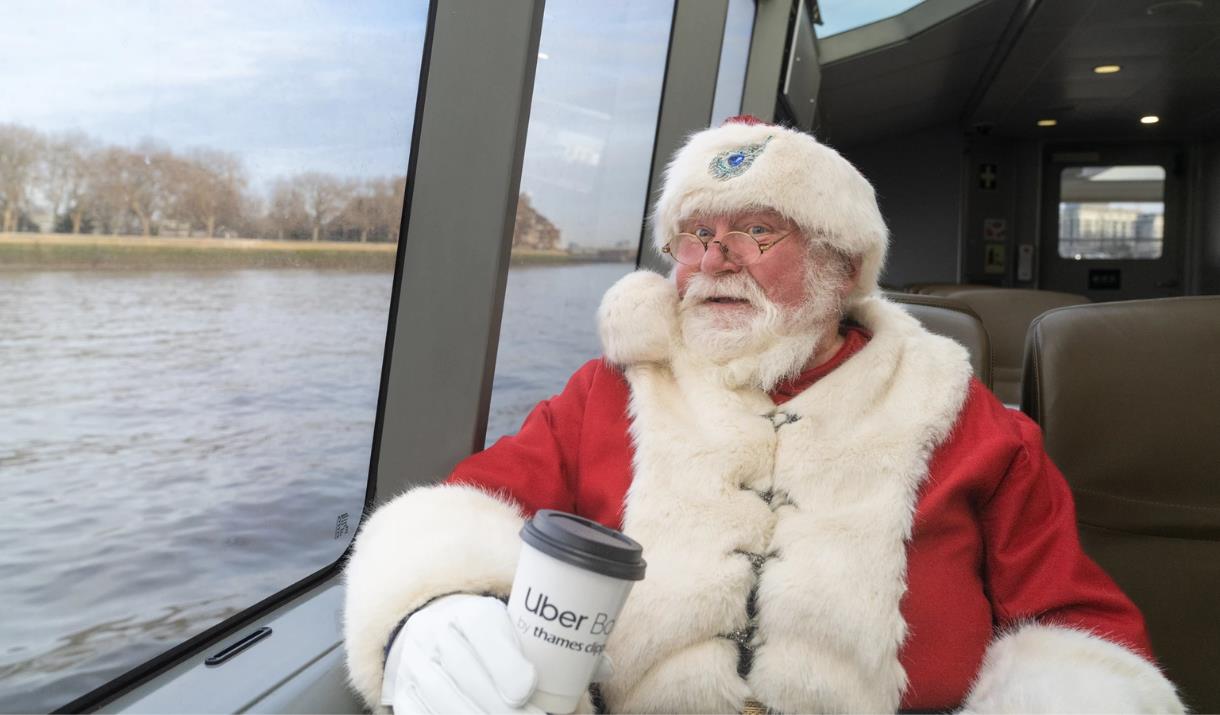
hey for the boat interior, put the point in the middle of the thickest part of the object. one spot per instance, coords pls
(1004, 148)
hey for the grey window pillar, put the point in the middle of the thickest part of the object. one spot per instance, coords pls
(461, 204)
(766, 58)
(686, 102)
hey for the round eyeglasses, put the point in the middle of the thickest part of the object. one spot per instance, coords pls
(740, 248)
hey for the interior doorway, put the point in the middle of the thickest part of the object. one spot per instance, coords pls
(1113, 222)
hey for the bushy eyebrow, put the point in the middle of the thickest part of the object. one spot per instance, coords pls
(771, 221)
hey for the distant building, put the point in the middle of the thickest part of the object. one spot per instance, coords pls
(532, 229)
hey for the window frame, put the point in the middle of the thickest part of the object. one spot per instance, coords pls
(890, 30)
(1164, 181)
(1166, 276)
(722, 86)
(462, 102)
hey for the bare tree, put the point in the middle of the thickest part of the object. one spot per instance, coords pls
(374, 208)
(252, 218)
(104, 201)
(324, 197)
(65, 178)
(360, 210)
(287, 214)
(19, 152)
(390, 194)
(131, 184)
(150, 189)
(206, 189)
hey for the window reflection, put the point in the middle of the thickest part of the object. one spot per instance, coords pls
(843, 15)
(199, 209)
(583, 191)
(734, 55)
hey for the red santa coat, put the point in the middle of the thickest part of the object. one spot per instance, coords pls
(994, 543)
(940, 567)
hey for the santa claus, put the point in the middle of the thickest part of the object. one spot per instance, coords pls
(837, 516)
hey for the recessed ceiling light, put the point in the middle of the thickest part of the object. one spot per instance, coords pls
(1150, 119)
(1107, 69)
(543, 56)
(1047, 122)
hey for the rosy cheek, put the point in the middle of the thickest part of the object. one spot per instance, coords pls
(785, 287)
(682, 275)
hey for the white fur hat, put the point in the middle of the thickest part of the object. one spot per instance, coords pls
(746, 164)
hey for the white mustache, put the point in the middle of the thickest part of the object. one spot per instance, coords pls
(740, 286)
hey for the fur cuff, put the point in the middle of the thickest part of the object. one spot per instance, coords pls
(427, 542)
(1050, 669)
(638, 319)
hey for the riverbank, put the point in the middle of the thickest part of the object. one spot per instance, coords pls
(40, 251)
(63, 251)
(536, 257)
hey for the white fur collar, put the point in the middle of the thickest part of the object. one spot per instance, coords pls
(638, 319)
(722, 500)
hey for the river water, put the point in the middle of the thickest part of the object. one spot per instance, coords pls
(176, 446)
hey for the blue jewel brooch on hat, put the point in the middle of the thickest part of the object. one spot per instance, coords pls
(734, 162)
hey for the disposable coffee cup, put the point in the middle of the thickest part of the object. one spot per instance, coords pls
(572, 580)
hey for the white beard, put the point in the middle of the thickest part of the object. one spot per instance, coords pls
(765, 344)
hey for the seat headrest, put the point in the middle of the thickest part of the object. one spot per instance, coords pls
(1007, 313)
(1128, 397)
(952, 319)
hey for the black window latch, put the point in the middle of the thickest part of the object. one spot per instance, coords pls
(232, 650)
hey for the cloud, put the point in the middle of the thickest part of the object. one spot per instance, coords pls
(594, 115)
(301, 85)
(259, 79)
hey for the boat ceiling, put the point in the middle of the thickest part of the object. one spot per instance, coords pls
(1005, 64)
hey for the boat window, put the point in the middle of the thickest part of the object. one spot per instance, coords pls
(734, 54)
(1111, 212)
(843, 15)
(199, 211)
(584, 183)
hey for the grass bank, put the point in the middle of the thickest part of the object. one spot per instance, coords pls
(26, 251)
(42, 251)
(535, 257)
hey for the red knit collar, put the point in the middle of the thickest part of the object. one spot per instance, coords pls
(855, 338)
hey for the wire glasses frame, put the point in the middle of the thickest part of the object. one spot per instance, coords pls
(738, 247)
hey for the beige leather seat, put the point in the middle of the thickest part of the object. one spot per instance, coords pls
(952, 319)
(1128, 396)
(1006, 313)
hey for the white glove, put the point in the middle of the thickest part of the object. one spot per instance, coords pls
(459, 654)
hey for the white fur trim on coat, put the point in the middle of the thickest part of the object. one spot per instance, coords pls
(1050, 669)
(638, 319)
(826, 556)
(804, 180)
(425, 543)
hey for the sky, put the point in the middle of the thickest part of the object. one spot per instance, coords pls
(287, 86)
(734, 55)
(597, 93)
(842, 15)
(310, 85)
